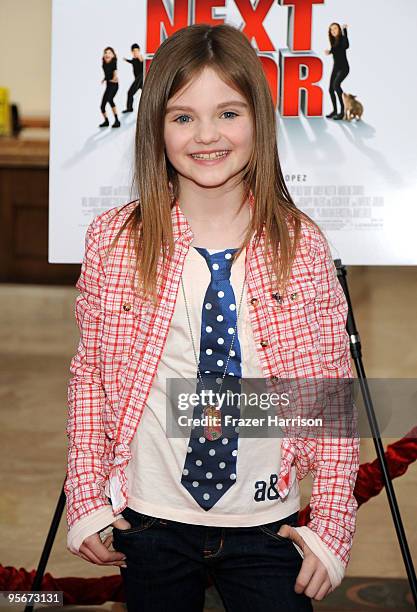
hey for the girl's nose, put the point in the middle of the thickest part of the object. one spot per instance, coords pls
(206, 132)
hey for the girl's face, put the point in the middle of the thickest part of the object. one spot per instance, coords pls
(334, 30)
(208, 131)
(108, 55)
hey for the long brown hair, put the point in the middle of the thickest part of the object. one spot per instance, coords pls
(180, 58)
(334, 40)
(114, 54)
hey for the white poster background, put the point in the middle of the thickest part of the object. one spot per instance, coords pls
(358, 180)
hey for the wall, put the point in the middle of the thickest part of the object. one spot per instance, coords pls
(25, 48)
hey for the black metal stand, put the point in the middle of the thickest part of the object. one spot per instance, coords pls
(356, 351)
(37, 582)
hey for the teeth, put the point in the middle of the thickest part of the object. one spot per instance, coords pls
(215, 155)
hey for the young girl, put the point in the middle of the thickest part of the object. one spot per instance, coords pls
(212, 275)
(339, 43)
(109, 64)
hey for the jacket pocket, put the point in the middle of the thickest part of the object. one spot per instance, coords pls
(123, 314)
(292, 318)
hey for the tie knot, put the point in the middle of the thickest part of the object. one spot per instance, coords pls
(220, 263)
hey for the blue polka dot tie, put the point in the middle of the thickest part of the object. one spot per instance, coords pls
(210, 463)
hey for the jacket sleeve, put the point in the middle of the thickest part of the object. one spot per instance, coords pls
(85, 479)
(98, 520)
(336, 460)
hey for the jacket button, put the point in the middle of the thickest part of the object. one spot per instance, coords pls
(264, 343)
(127, 306)
(254, 301)
(294, 296)
(274, 378)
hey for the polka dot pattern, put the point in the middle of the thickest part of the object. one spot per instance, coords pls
(210, 466)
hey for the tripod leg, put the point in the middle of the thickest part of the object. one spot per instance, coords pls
(356, 352)
(37, 582)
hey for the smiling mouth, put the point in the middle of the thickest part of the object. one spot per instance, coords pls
(209, 156)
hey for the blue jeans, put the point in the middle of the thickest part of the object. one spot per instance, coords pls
(253, 568)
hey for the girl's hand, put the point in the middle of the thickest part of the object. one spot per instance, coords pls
(313, 579)
(96, 551)
(327, 52)
(121, 524)
(344, 26)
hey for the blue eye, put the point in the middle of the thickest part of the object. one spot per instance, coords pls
(178, 119)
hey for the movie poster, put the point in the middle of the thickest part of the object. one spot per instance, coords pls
(354, 173)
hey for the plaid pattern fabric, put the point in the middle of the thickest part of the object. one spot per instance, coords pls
(301, 334)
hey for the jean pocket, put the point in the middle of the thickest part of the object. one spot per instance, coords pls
(271, 529)
(139, 522)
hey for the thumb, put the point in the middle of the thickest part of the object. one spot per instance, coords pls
(286, 531)
(121, 523)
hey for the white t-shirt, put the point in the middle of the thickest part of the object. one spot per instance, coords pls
(155, 469)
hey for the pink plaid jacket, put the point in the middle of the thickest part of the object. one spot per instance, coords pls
(121, 340)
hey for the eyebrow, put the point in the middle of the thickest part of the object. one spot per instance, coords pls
(222, 105)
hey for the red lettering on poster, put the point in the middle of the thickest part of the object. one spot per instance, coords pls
(204, 11)
(159, 22)
(294, 83)
(300, 20)
(254, 18)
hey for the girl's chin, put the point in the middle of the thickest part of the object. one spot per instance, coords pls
(207, 180)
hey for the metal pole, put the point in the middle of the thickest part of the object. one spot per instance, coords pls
(356, 352)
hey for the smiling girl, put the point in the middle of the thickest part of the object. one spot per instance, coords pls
(212, 275)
